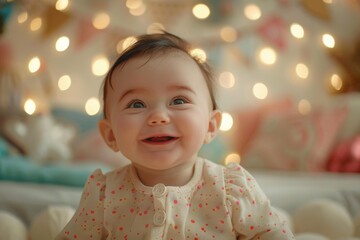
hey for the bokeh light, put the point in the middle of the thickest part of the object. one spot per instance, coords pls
(232, 158)
(34, 64)
(101, 20)
(62, 43)
(226, 122)
(268, 56)
(92, 106)
(297, 30)
(260, 90)
(304, 107)
(201, 11)
(226, 80)
(302, 70)
(64, 82)
(336, 82)
(328, 40)
(199, 54)
(30, 106)
(100, 65)
(252, 12)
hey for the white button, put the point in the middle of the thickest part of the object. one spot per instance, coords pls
(159, 218)
(159, 190)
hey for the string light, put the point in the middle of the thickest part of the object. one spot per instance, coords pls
(260, 90)
(155, 28)
(328, 40)
(62, 43)
(252, 12)
(123, 44)
(336, 82)
(34, 64)
(226, 122)
(302, 70)
(100, 65)
(101, 20)
(268, 56)
(226, 80)
(199, 54)
(92, 106)
(304, 107)
(201, 11)
(35, 24)
(22, 17)
(61, 5)
(228, 34)
(232, 158)
(64, 82)
(30, 106)
(297, 30)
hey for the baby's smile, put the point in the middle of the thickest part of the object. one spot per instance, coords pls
(160, 139)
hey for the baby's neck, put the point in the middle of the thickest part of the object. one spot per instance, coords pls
(176, 176)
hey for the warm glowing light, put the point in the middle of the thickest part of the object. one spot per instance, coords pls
(155, 28)
(100, 65)
(123, 44)
(226, 122)
(134, 4)
(61, 5)
(336, 82)
(136, 7)
(268, 56)
(226, 79)
(260, 91)
(101, 20)
(328, 40)
(302, 70)
(34, 64)
(29, 106)
(252, 12)
(297, 30)
(228, 34)
(62, 44)
(199, 54)
(201, 11)
(304, 107)
(92, 106)
(232, 158)
(328, 1)
(35, 24)
(22, 17)
(64, 82)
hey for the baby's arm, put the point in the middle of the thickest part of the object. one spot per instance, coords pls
(87, 222)
(253, 216)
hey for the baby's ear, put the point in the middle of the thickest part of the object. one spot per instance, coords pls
(214, 124)
(108, 134)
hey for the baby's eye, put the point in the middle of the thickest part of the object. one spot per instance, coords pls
(136, 104)
(179, 101)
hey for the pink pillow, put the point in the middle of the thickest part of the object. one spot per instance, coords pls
(283, 139)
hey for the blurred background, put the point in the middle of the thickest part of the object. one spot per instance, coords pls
(276, 56)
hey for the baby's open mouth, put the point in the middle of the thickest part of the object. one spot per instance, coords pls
(160, 139)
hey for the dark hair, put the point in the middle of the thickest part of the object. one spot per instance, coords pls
(149, 44)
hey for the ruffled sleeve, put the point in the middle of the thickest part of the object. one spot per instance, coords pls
(87, 222)
(253, 216)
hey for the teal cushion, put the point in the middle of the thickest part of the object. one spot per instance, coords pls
(21, 169)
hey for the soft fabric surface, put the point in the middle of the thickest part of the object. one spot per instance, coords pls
(17, 168)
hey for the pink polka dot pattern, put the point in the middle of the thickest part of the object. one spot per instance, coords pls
(218, 203)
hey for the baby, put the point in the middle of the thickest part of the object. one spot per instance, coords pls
(159, 108)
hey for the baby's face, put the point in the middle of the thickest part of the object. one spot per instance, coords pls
(159, 110)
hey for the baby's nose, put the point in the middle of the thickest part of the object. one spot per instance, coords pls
(158, 117)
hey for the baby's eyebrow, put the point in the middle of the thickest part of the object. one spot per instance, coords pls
(130, 91)
(181, 87)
